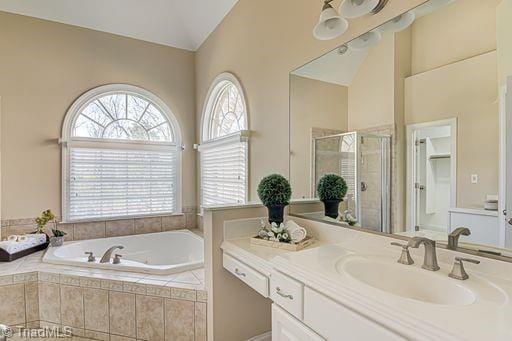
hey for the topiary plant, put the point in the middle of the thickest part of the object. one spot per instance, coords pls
(274, 189)
(331, 187)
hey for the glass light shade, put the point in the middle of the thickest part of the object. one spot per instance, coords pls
(330, 25)
(366, 41)
(357, 8)
(399, 23)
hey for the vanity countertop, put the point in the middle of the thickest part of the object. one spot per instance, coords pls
(482, 308)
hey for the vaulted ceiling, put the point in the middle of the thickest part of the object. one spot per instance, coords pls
(180, 23)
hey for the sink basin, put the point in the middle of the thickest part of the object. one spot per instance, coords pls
(407, 281)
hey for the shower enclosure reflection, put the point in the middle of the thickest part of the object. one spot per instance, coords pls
(417, 121)
(362, 160)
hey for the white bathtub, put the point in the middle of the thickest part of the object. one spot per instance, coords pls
(156, 253)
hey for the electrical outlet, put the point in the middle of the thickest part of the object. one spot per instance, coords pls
(474, 178)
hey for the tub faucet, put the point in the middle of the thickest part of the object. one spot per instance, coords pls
(430, 259)
(108, 254)
(453, 238)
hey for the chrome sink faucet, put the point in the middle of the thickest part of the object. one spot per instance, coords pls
(430, 259)
(453, 238)
(108, 254)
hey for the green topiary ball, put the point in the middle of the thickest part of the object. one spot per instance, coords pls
(274, 189)
(331, 187)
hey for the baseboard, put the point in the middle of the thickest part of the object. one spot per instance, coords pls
(263, 337)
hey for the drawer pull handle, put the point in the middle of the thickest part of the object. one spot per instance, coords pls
(278, 291)
(241, 274)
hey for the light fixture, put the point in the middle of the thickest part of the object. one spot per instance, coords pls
(357, 8)
(399, 23)
(331, 24)
(366, 41)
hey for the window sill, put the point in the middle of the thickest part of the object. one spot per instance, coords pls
(134, 217)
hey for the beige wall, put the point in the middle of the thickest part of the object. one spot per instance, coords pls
(44, 67)
(371, 92)
(313, 104)
(235, 310)
(261, 42)
(463, 29)
(466, 90)
(504, 45)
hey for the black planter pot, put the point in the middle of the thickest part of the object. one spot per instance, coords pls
(276, 214)
(331, 208)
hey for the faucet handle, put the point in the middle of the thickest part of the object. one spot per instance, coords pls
(458, 271)
(405, 257)
(91, 257)
(117, 259)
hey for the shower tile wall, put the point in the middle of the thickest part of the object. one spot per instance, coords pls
(327, 156)
(371, 175)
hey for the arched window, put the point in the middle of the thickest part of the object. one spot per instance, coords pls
(121, 150)
(224, 145)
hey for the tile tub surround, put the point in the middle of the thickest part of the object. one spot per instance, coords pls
(107, 228)
(103, 305)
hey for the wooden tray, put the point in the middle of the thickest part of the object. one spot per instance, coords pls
(8, 257)
(284, 246)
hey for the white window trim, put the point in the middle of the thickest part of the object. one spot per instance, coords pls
(211, 98)
(67, 141)
(241, 136)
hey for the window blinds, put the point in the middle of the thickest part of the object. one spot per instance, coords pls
(224, 173)
(348, 171)
(106, 183)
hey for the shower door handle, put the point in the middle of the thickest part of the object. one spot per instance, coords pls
(419, 186)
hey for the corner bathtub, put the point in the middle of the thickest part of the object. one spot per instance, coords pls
(156, 253)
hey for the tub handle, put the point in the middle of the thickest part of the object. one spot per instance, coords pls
(241, 274)
(91, 257)
(117, 259)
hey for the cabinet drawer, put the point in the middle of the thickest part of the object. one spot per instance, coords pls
(334, 321)
(287, 293)
(248, 275)
(285, 327)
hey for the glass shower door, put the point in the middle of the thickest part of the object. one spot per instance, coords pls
(374, 187)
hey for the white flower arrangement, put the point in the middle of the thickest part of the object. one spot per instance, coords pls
(349, 219)
(274, 232)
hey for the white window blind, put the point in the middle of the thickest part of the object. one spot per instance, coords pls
(348, 171)
(107, 183)
(224, 173)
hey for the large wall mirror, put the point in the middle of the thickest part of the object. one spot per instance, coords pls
(413, 115)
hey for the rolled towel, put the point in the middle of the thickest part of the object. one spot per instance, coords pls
(12, 238)
(297, 233)
(16, 245)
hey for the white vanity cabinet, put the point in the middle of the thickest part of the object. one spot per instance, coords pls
(300, 313)
(285, 327)
(334, 321)
(250, 276)
(313, 311)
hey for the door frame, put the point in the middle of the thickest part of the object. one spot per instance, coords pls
(505, 172)
(411, 130)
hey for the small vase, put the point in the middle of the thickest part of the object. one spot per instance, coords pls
(276, 214)
(56, 241)
(331, 208)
